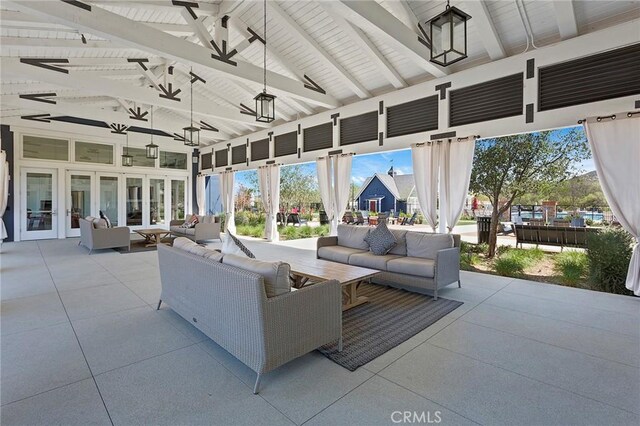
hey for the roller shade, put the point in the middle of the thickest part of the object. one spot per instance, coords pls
(318, 137)
(286, 144)
(260, 150)
(360, 128)
(222, 159)
(416, 116)
(206, 161)
(239, 154)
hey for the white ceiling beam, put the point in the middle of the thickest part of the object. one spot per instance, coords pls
(402, 11)
(367, 46)
(372, 17)
(104, 87)
(55, 42)
(329, 61)
(566, 18)
(481, 19)
(159, 5)
(134, 34)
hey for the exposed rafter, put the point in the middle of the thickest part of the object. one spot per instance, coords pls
(370, 16)
(486, 30)
(131, 33)
(367, 47)
(105, 87)
(566, 18)
(404, 13)
(351, 82)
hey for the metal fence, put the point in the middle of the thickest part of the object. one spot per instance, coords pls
(597, 214)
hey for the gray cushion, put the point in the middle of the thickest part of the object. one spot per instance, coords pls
(426, 246)
(176, 229)
(337, 253)
(370, 260)
(232, 245)
(100, 223)
(401, 242)
(193, 248)
(412, 266)
(275, 274)
(380, 240)
(353, 236)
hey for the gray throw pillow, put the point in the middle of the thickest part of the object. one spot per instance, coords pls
(380, 240)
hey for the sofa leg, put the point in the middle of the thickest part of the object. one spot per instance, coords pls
(340, 346)
(459, 284)
(159, 303)
(256, 387)
(90, 251)
(435, 294)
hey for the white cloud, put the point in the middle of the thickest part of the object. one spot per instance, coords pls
(358, 179)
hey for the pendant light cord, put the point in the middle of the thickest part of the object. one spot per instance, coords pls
(191, 80)
(264, 69)
(152, 124)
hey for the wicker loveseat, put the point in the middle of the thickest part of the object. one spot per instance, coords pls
(103, 238)
(207, 228)
(419, 262)
(230, 305)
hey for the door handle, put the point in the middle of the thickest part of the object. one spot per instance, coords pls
(54, 212)
(68, 212)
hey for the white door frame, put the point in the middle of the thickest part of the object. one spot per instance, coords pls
(38, 235)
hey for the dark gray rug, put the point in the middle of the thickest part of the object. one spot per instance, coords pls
(391, 317)
(138, 246)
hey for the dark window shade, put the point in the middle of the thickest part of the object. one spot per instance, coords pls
(595, 78)
(416, 116)
(239, 154)
(499, 98)
(286, 144)
(318, 137)
(222, 158)
(206, 161)
(360, 128)
(260, 150)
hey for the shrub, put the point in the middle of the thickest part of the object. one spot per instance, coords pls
(571, 265)
(502, 249)
(511, 264)
(321, 231)
(289, 232)
(534, 254)
(609, 254)
(588, 222)
(468, 261)
(305, 231)
(241, 219)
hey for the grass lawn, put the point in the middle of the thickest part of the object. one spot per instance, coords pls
(466, 222)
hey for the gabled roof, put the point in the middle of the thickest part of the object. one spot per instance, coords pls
(400, 186)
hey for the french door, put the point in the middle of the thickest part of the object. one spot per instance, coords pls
(88, 194)
(39, 204)
(153, 201)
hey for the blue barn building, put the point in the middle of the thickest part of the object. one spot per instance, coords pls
(388, 192)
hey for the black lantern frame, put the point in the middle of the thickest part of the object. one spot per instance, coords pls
(152, 151)
(446, 46)
(265, 107)
(127, 160)
(191, 135)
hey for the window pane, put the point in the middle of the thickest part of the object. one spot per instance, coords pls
(109, 198)
(94, 153)
(156, 196)
(39, 199)
(173, 160)
(140, 157)
(177, 199)
(45, 148)
(134, 201)
(80, 198)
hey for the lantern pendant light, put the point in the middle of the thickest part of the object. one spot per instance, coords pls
(127, 159)
(448, 36)
(152, 149)
(265, 103)
(191, 133)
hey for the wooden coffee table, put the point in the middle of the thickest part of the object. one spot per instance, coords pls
(153, 236)
(306, 271)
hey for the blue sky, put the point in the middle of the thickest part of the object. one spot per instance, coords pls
(366, 165)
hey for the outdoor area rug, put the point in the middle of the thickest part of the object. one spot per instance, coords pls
(391, 317)
(138, 246)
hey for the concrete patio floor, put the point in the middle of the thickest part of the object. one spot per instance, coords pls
(82, 344)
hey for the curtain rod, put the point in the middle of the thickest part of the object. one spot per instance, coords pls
(609, 117)
(337, 155)
(462, 139)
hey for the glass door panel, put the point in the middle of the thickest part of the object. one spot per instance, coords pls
(134, 204)
(108, 197)
(178, 199)
(39, 204)
(156, 202)
(78, 200)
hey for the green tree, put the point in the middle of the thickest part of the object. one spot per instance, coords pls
(508, 167)
(298, 187)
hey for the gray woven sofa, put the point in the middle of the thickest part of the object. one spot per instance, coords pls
(231, 305)
(420, 261)
(207, 228)
(103, 238)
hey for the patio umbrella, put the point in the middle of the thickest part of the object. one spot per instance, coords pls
(4, 191)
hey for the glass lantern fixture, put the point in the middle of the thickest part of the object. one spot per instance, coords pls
(191, 135)
(265, 107)
(127, 159)
(448, 34)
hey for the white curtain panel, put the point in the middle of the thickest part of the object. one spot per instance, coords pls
(4, 192)
(269, 183)
(226, 192)
(457, 165)
(200, 194)
(341, 187)
(323, 168)
(426, 163)
(615, 145)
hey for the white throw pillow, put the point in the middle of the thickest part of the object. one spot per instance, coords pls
(232, 245)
